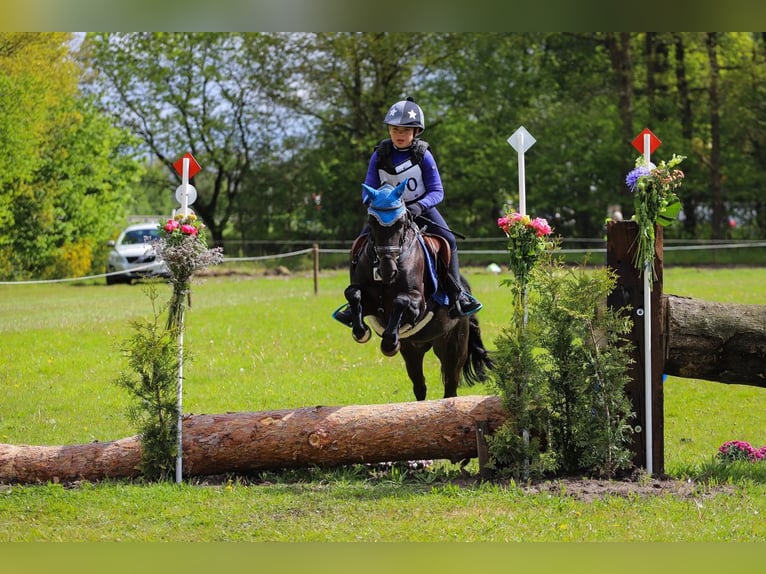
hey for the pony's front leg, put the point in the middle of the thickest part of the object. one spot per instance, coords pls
(406, 307)
(359, 330)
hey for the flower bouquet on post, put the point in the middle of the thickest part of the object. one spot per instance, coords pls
(655, 202)
(528, 240)
(156, 354)
(183, 248)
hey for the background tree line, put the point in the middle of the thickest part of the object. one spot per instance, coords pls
(284, 123)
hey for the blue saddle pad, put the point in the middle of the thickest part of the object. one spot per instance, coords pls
(439, 295)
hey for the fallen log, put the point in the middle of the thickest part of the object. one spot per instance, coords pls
(255, 441)
(721, 342)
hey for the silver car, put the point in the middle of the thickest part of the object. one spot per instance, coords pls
(132, 256)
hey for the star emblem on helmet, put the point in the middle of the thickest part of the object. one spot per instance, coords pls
(392, 111)
(413, 114)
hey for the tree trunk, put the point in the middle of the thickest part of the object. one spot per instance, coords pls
(720, 342)
(248, 442)
(716, 192)
(618, 48)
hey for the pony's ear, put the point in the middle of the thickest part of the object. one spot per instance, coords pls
(368, 193)
(398, 191)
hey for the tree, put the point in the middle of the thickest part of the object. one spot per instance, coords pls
(290, 164)
(347, 82)
(205, 93)
(64, 166)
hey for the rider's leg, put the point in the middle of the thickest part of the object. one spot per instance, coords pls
(343, 313)
(463, 302)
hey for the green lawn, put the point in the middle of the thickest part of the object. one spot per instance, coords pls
(269, 343)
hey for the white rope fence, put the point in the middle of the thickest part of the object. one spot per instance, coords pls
(702, 245)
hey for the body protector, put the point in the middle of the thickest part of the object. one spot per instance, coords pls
(407, 167)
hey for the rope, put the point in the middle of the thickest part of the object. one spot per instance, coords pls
(707, 246)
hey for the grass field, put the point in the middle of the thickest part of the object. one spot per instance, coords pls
(269, 343)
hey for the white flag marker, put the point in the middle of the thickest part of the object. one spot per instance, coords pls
(521, 140)
(647, 142)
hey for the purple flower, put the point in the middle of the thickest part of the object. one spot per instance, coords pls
(632, 178)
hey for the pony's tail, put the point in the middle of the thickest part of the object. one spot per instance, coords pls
(479, 363)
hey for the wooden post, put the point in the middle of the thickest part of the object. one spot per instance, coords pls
(316, 268)
(629, 294)
(482, 449)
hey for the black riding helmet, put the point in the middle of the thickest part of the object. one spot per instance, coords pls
(406, 113)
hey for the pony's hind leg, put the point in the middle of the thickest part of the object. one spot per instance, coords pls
(413, 360)
(359, 330)
(452, 352)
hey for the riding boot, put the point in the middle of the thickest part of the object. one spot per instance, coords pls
(343, 315)
(463, 303)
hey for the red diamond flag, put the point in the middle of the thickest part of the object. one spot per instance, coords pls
(654, 141)
(194, 167)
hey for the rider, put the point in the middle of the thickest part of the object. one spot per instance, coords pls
(405, 157)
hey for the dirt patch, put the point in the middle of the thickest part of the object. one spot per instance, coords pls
(583, 489)
(589, 490)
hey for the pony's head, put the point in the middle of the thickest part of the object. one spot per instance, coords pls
(385, 204)
(387, 216)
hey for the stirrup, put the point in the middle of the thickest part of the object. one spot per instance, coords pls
(343, 315)
(474, 307)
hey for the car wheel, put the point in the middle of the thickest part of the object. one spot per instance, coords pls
(114, 279)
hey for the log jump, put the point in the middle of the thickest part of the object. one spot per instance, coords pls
(721, 342)
(274, 440)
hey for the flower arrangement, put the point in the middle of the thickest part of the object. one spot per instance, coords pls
(735, 450)
(528, 239)
(177, 228)
(183, 247)
(655, 202)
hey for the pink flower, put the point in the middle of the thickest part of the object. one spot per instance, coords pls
(187, 229)
(171, 225)
(741, 450)
(541, 226)
(505, 223)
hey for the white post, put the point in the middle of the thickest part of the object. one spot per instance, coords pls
(180, 386)
(522, 177)
(648, 338)
(521, 140)
(185, 184)
(180, 450)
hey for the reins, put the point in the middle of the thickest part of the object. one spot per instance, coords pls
(394, 251)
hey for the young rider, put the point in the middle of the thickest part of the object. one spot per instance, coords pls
(405, 157)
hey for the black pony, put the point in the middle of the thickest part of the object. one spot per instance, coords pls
(394, 285)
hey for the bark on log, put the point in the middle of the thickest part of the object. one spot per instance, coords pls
(720, 342)
(247, 442)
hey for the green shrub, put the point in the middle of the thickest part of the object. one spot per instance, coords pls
(154, 357)
(562, 374)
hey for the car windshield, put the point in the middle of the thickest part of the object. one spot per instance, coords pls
(136, 236)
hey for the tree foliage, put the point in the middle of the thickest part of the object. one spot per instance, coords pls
(64, 165)
(563, 375)
(204, 93)
(284, 124)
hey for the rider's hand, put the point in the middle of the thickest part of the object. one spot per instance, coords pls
(415, 209)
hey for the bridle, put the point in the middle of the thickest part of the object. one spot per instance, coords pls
(393, 252)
